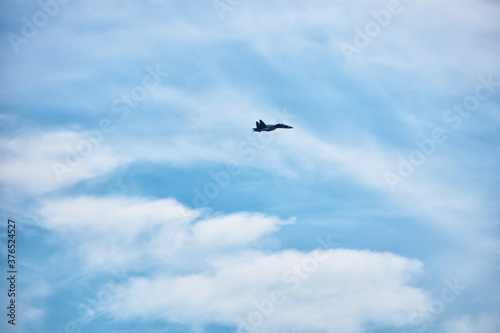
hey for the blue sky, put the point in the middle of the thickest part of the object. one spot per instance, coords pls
(144, 202)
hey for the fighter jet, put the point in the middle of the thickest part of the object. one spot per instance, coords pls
(261, 126)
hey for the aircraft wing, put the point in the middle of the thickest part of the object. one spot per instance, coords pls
(282, 126)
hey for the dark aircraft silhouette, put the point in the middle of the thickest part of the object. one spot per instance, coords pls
(261, 126)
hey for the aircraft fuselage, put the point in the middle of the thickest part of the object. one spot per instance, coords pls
(262, 127)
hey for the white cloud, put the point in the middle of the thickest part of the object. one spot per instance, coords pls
(118, 231)
(41, 162)
(408, 43)
(456, 29)
(350, 288)
(235, 229)
(204, 269)
(128, 216)
(485, 323)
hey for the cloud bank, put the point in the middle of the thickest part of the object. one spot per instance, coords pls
(189, 267)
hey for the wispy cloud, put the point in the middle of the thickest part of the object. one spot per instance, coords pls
(112, 202)
(484, 323)
(41, 162)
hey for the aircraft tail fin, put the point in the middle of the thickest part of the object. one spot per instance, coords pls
(260, 125)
